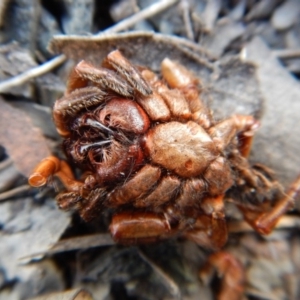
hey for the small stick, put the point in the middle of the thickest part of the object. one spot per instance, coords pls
(14, 192)
(284, 222)
(5, 163)
(48, 66)
(172, 286)
(32, 73)
(287, 53)
(75, 243)
(3, 6)
(146, 13)
(187, 20)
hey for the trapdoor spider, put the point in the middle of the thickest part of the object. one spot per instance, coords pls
(152, 153)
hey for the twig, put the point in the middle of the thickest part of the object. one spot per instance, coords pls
(284, 222)
(146, 13)
(185, 43)
(3, 6)
(187, 20)
(5, 163)
(287, 53)
(32, 73)
(75, 294)
(210, 14)
(172, 286)
(75, 243)
(14, 192)
(82, 242)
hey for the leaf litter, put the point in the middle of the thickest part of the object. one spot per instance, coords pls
(234, 49)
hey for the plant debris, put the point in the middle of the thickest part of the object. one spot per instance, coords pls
(247, 56)
(22, 135)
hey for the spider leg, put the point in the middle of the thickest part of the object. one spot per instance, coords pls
(67, 200)
(155, 106)
(231, 272)
(164, 191)
(52, 166)
(210, 228)
(175, 101)
(137, 187)
(88, 202)
(91, 206)
(130, 227)
(68, 106)
(75, 82)
(242, 125)
(265, 221)
(119, 63)
(209, 232)
(105, 78)
(247, 126)
(178, 77)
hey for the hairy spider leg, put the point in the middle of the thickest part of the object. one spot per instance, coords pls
(104, 78)
(75, 193)
(178, 77)
(230, 270)
(53, 166)
(242, 125)
(139, 227)
(247, 128)
(130, 73)
(89, 206)
(210, 230)
(265, 221)
(75, 82)
(66, 108)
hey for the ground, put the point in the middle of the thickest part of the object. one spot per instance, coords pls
(246, 54)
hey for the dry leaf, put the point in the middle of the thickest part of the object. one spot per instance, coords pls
(277, 142)
(27, 228)
(229, 85)
(144, 48)
(23, 142)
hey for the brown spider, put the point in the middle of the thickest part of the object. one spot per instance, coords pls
(152, 153)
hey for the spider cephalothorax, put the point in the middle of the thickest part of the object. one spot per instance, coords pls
(151, 152)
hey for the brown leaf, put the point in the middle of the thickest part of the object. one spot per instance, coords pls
(23, 142)
(277, 142)
(229, 85)
(28, 228)
(143, 48)
(233, 89)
